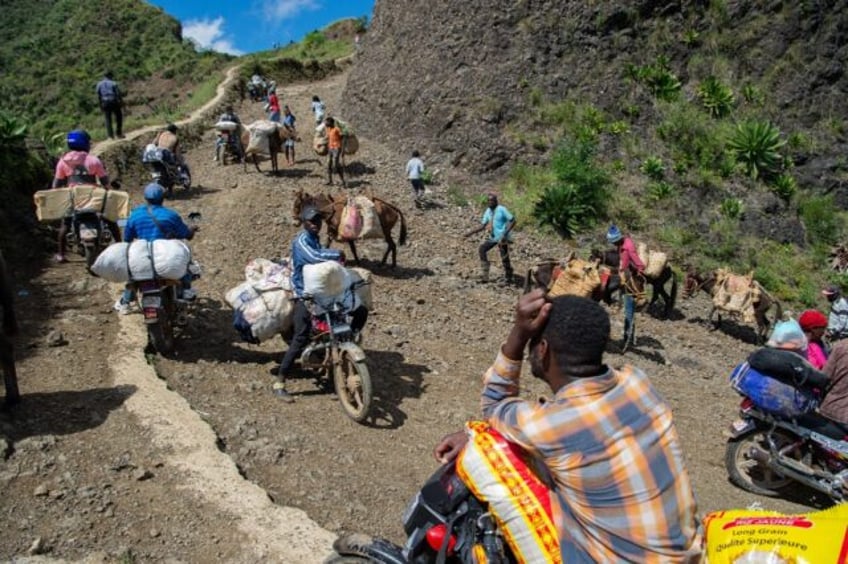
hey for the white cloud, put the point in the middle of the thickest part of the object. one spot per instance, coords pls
(279, 10)
(209, 34)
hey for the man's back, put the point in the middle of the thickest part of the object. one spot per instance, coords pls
(150, 223)
(167, 140)
(621, 490)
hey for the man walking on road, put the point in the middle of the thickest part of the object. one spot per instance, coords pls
(109, 96)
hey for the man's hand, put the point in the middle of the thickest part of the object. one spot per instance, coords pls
(450, 446)
(531, 316)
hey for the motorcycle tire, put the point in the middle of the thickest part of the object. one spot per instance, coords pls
(336, 558)
(185, 180)
(750, 475)
(353, 387)
(221, 152)
(91, 253)
(161, 336)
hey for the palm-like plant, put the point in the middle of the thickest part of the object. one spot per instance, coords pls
(716, 97)
(12, 132)
(756, 145)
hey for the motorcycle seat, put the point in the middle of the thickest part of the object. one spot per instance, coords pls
(824, 426)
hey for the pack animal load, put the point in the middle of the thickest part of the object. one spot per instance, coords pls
(261, 134)
(654, 261)
(59, 203)
(736, 294)
(262, 304)
(359, 220)
(351, 141)
(576, 277)
(168, 259)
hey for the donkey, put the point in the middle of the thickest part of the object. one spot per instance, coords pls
(762, 305)
(611, 259)
(331, 210)
(9, 330)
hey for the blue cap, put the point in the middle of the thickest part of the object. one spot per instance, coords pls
(154, 193)
(614, 234)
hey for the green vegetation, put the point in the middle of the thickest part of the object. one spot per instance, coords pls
(757, 144)
(53, 56)
(716, 97)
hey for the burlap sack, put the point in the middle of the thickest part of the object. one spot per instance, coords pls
(578, 278)
(319, 145)
(350, 225)
(736, 294)
(654, 261)
(371, 226)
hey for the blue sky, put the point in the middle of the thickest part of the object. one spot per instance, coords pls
(245, 26)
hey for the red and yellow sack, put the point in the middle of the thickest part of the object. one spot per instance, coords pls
(743, 536)
(498, 473)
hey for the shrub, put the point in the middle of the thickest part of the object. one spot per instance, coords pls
(660, 190)
(823, 224)
(753, 95)
(653, 168)
(785, 187)
(716, 97)
(732, 208)
(756, 145)
(578, 196)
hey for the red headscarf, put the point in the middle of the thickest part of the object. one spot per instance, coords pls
(812, 319)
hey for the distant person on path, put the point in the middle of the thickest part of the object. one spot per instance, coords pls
(318, 110)
(233, 137)
(289, 124)
(629, 265)
(109, 97)
(837, 321)
(415, 173)
(77, 167)
(498, 222)
(273, 104)
(335, 151)
(357, 41)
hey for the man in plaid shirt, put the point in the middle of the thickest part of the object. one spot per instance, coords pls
(620, 489)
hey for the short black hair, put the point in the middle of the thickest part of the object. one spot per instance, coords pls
(577, 331)
(415, 153)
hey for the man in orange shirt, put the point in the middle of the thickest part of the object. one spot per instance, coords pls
(335, 138)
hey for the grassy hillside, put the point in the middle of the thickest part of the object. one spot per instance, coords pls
(53, 52)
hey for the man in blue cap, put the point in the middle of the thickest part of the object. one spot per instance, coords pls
(629, 264)
(149, 222)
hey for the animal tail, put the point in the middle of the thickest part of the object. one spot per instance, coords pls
(402, 239)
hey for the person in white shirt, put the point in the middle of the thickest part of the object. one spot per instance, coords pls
(415, 173)
(318, 109)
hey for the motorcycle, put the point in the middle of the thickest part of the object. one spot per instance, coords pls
(444, 522)
(228, 147)
(768, 454)
(257, 90)
(162, 305)
(88, 235)
(165, 170)
(333, 353)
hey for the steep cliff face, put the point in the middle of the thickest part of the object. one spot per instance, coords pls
(456, 78)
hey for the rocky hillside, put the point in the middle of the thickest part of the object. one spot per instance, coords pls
(459, 75)
(480, 89)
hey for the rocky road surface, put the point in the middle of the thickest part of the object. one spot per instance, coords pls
(104, 462)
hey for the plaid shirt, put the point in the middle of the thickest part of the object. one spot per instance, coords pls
(621, 491)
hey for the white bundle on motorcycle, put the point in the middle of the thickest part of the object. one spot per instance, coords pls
(58, 203)
(225, 125)
(265, 274)
(499, 473)
(363, 291)
(143, 260)
(152, 154)
(325, 280)
(264, 299)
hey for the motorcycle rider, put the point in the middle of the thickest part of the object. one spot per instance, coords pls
(837, 321)
(152, 221)
(233, 137)
(307, 249)
(77, 167)
(621, 490)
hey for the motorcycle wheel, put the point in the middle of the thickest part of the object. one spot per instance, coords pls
(747, 473)
(161, 333)
(91, 252)
(185, 179)
(337, 558)
(221, 152)
(353, 387)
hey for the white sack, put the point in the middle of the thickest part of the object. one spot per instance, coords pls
(171, 258)
(324, 280)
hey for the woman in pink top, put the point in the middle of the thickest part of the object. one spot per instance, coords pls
(629, 262)
(814, 323)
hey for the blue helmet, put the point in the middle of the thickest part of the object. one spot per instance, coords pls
(614, 234)
(154, 193)
(79, 140)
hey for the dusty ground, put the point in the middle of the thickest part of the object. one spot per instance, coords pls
(87, 471)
